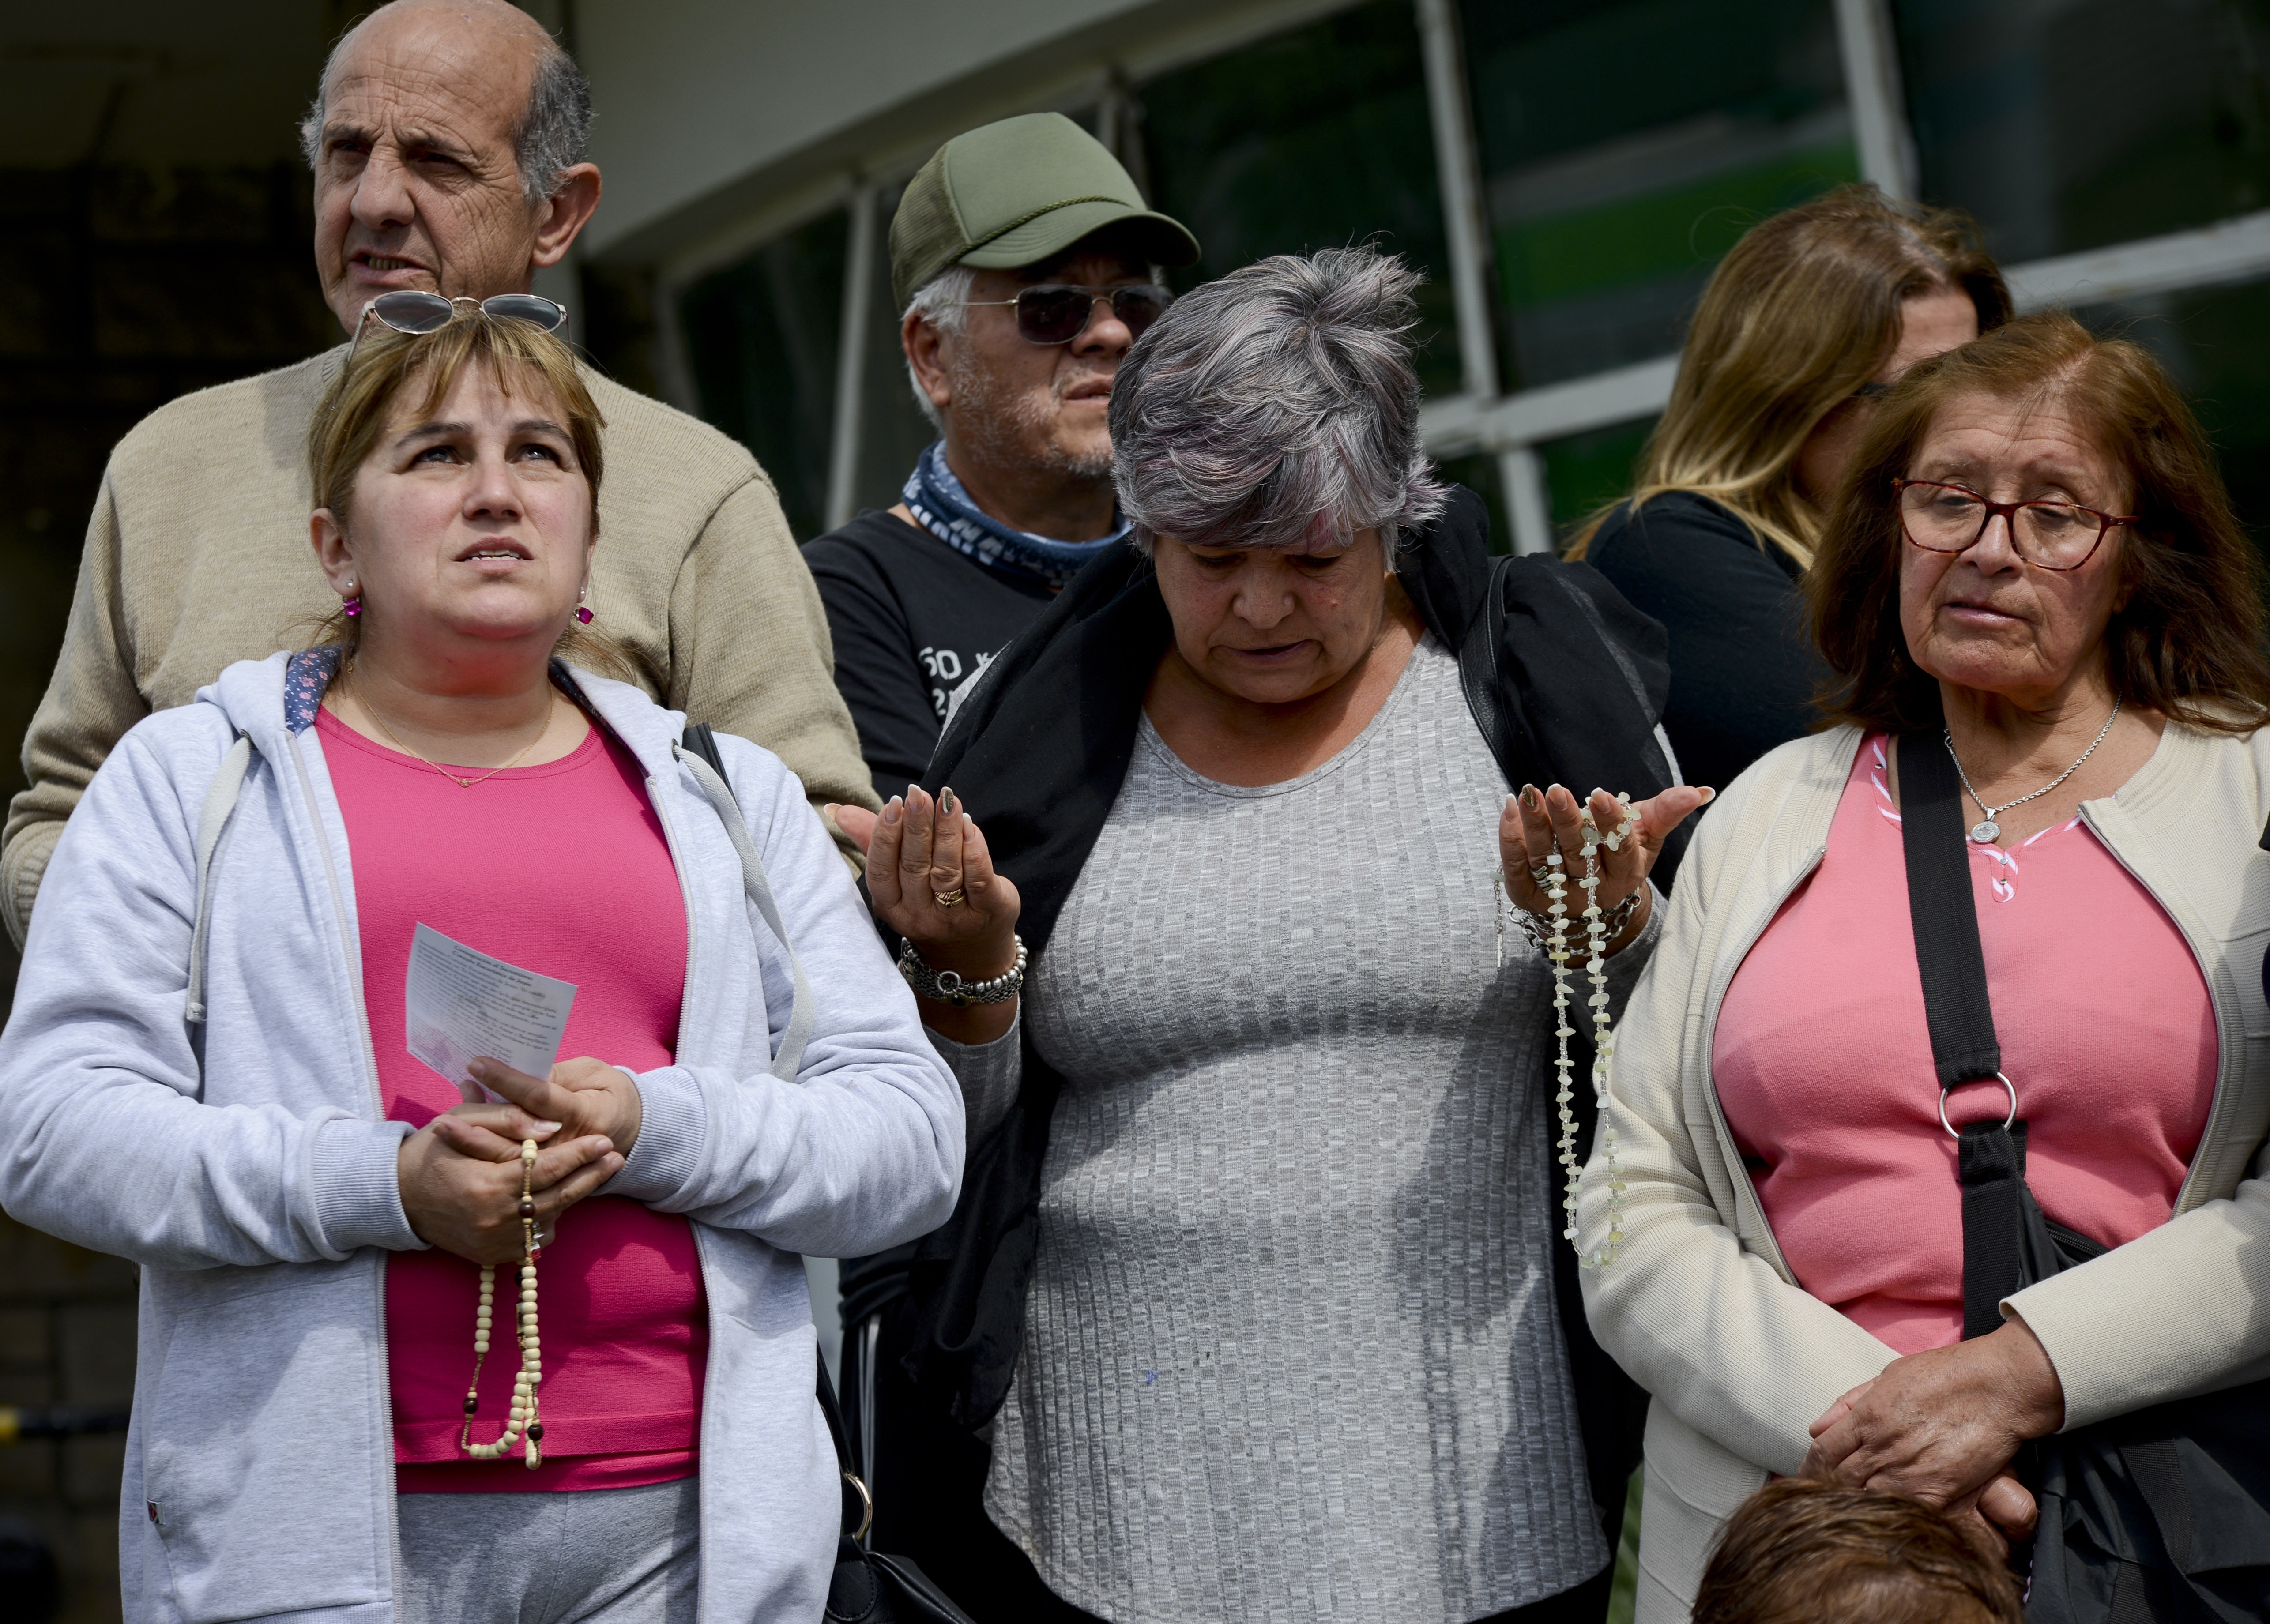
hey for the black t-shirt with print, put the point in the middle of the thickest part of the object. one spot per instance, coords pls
(912, 620)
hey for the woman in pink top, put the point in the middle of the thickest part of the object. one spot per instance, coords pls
(410, 1354)
(2032, 566)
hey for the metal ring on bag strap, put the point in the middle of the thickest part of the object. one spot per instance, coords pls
(2003, 1078)
(866, 1505)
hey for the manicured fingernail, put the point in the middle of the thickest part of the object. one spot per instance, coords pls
(1708, 795)
(893, 812)
(945, 802)
(547, 1127)
(1529, 797)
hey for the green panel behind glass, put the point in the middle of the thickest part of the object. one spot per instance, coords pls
(1311, 140)
(1626, 145)
(1586, 472)
(761, 339)
(2071, 126)
(1680, 231)
(2217, 344)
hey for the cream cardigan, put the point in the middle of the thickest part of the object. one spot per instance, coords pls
(1701, 1309)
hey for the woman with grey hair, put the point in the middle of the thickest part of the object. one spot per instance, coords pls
(1255, 1275)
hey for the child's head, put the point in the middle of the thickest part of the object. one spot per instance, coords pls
(1800, 1552)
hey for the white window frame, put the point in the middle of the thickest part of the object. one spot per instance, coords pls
(1482, 418)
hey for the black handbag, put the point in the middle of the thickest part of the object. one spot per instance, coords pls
(869, 1587)
(2153, 1518)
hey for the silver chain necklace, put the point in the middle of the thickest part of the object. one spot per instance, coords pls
(1986, 831)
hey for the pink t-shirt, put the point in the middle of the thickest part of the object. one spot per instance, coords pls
(561, 869)
(1822, 1062)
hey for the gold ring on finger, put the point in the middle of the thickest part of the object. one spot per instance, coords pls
(948, 898)
(1539, 875)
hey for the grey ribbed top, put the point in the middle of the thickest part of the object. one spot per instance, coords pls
(1291, 1351)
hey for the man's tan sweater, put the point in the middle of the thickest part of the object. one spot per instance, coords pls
(198, 556)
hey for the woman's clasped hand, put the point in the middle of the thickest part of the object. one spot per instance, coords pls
(460, 1174)
(1943, 1425)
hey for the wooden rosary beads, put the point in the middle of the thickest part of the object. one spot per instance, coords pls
(523, 1419)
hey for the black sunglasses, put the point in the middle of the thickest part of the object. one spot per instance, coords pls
(1057, 313)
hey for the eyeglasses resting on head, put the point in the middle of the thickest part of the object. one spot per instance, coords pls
(413, 310)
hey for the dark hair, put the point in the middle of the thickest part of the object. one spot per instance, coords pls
(2186, 640)
(1798, 315)
(1800, 1552)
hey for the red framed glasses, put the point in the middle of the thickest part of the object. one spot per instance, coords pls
(2049, 535)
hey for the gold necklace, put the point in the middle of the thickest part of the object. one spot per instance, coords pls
(463, 784)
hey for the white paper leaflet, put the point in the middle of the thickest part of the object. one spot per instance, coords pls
(461, 1003)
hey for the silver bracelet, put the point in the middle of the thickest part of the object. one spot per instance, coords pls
(1612, 924)
(948, 987)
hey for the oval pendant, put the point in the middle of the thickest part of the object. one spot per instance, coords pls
(1987, 833)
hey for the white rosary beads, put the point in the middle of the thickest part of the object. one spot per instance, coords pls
(1596, 943)
(522, 1420)
(1596, 950)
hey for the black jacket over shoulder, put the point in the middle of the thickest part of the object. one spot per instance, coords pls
(1565, 679)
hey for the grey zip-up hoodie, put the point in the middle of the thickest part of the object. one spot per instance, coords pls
(245, 1165)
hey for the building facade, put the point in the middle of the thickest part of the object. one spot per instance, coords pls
(1567, 171)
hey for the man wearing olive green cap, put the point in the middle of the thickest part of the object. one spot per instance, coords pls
(1025, 263)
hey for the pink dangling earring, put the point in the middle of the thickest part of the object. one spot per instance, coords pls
(582, 610)
(354, 605)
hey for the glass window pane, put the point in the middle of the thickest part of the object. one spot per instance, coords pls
(761, 340)
(1625, 145)
(892, 430)
(1479, 473)
(1311, 140)
(1586, 472)
(2217, 344)
(2065, 127)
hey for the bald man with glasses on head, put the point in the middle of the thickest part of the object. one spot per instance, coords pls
(448, 144)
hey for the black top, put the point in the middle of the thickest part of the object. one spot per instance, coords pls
(1743, 669)
(1564, 680)
(912, 620)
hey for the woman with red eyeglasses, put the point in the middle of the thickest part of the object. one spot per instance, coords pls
(1936, 1113)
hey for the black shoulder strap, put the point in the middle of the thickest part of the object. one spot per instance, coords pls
(1478, 676)
(1953, 965)
(858, 1508)
(702, 742)
(1990, 1156)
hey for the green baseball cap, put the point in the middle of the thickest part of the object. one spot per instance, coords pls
(1014, 193)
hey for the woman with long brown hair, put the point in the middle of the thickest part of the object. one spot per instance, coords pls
(2052, 730)
(1811, 317)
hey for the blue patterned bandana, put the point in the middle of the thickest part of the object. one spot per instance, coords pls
(939, 504)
